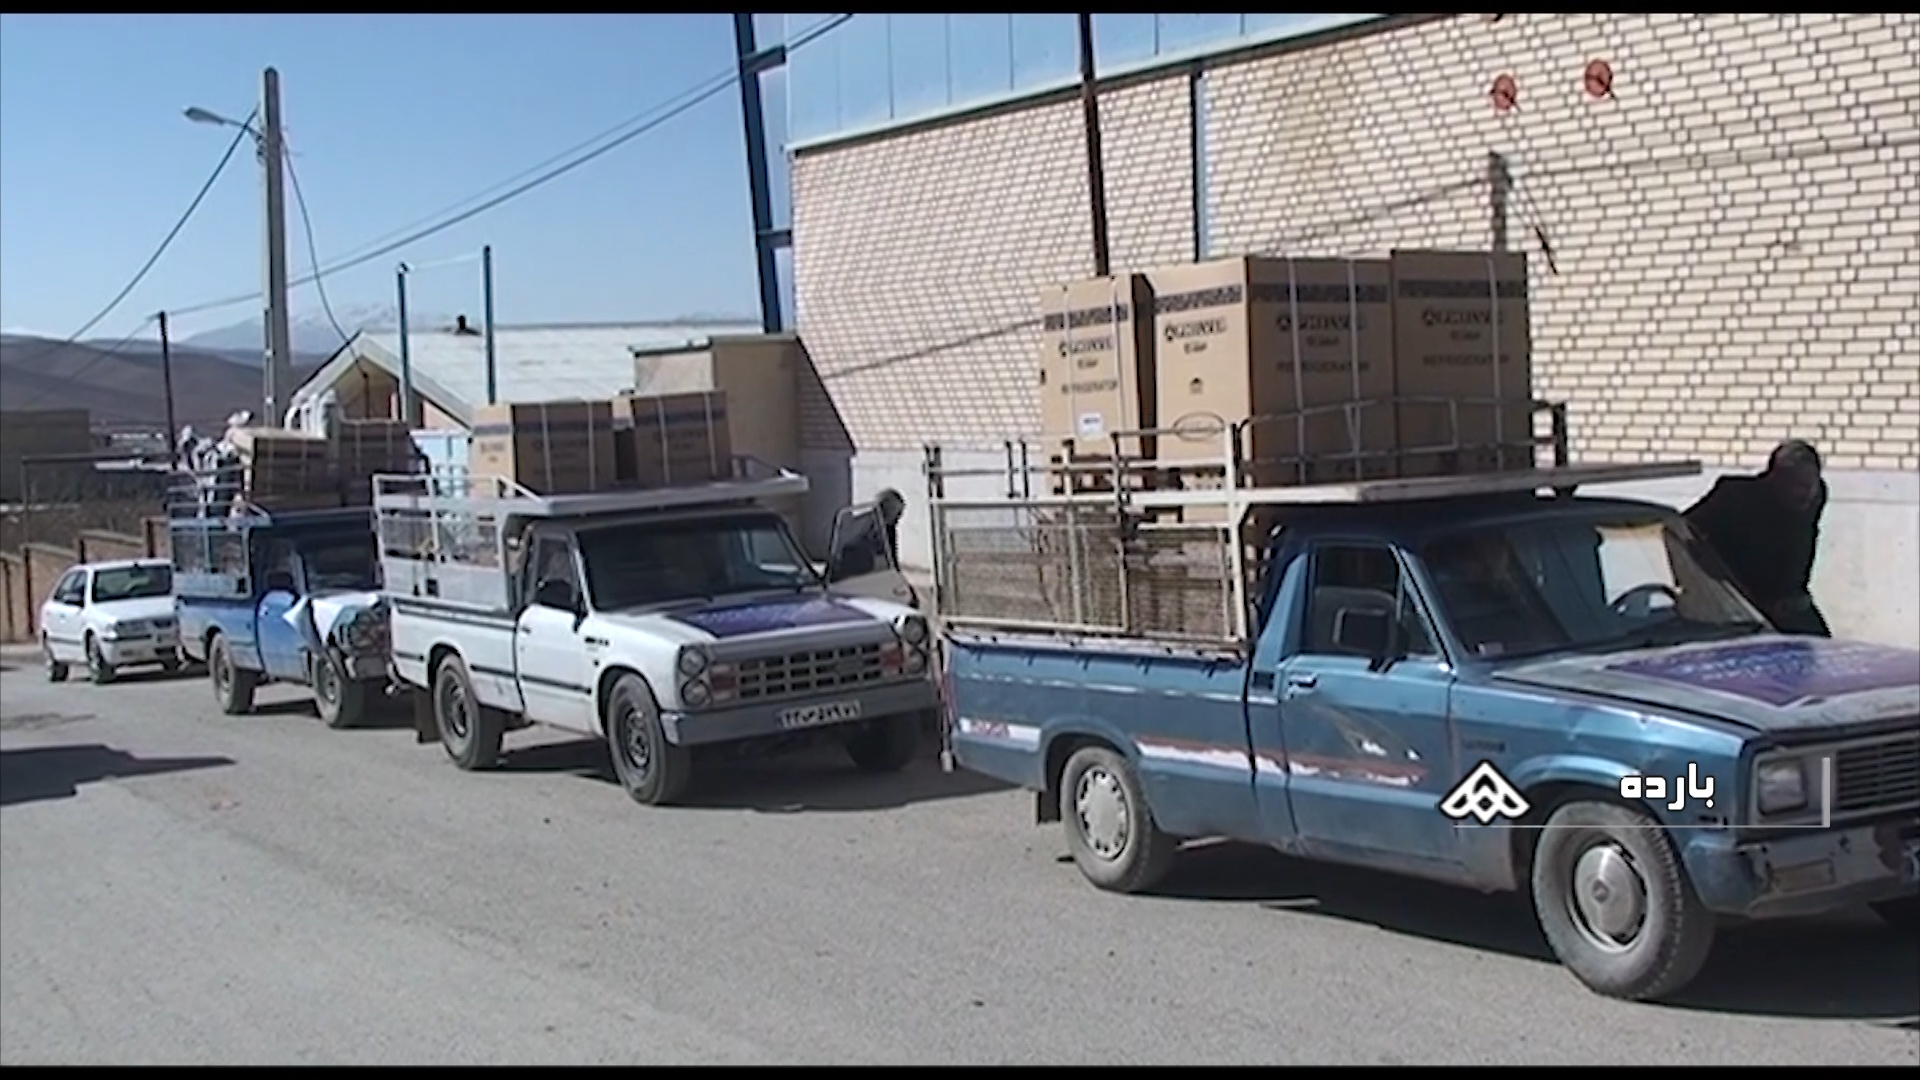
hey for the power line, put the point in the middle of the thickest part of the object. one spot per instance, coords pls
(313, 253)
(646, 122)
(103, 355)
(152, 259)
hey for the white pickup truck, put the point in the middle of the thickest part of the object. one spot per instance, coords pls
(666, 622)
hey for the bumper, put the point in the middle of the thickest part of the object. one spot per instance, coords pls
(1806, 873)
(759, 720)
(128, 652)
(369, 668)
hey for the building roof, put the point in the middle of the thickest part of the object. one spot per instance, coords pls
(534, 363)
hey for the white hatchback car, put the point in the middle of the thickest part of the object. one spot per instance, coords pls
(108, 616)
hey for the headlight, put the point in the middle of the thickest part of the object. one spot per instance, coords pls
(115, 631)
(694, 694)
(916, 661)
(692, 662)
(913, 630)
(1780, 786)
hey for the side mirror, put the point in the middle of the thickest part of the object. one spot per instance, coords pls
(280, 581)
(557, 594)
(1363, 632)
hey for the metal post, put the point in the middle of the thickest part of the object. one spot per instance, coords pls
(406, 355)
(279, 373)
(1096, 167)
(486, 288)
(166, 387)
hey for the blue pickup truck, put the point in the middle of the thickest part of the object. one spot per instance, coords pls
(282, 597)
(1487, 681)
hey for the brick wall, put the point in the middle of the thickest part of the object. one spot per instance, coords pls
(1736, 231)
(919, 259)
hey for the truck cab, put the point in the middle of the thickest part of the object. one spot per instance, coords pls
(284, 597)
(1487, 681)
(669, 623)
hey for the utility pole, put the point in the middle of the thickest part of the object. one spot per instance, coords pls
(486, 289)
(1096, 167)
(279, 358)
(166, 385)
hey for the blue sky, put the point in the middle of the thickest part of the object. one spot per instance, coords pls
(390, 119)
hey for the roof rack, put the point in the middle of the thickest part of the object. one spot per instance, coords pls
(454, 490)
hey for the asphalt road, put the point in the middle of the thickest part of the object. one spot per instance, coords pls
(179, 887)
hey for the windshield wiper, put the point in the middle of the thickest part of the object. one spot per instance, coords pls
(1675, 631)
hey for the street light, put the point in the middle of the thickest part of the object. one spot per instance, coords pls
(272, 147)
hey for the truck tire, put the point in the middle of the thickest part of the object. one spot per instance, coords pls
(342, 701)
(886, 745)
(1901, 913)
(232, 688)
(56, 671)
(1110, 829)
(470, 731)
(1615, 903)
(98, 670)
(654, 771)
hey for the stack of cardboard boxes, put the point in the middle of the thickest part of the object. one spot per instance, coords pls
(363, 449)
(1330, 369)
(573, 447)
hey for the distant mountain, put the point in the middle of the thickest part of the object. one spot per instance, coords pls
(123, 389)
(312, 333)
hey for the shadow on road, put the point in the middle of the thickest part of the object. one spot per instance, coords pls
(1851, 967)
(817, 779)
(36, 773)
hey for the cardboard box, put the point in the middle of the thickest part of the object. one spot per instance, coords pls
(363, 449)
(552, 448)
(1096, 372)
(1454, 312)
(278, 464)
(673, 439)
(1300, 347)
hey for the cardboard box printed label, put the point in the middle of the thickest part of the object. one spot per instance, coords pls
(1096, 365)
(1298, 349)
(1462, 342)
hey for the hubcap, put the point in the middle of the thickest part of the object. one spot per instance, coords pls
(1105, 818)
(1609, 896)
(222, 672)
(453, 709)
(638, 748)
(329, 687)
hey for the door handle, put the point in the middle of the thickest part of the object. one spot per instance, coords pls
(525, 629)
(1302, 682)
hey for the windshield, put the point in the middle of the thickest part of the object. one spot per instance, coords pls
(636, 565)
(131, 583)
(340, 564)
(1582, 583)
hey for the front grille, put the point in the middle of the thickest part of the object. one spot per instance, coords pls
(1877, 776)
(812, 671)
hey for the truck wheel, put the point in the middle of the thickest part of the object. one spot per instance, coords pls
(886, 745)
(232, 687)
(654, 771)
(470, 731)
(1110, 830)
(342, 701)
(56, 671)
(1615, 903)
(1901, 913)
(98, 670)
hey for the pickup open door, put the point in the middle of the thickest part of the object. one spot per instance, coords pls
(860, 561)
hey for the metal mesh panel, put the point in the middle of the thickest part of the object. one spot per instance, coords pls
(1086, 567)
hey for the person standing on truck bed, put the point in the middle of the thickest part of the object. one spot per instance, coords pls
(1765, 528)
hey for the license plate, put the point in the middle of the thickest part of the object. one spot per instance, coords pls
(833, 712)
(1910, 870)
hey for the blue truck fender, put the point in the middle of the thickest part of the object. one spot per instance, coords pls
(1498, 859)
(1059, 738)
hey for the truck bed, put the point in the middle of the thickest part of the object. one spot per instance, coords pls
(1022, 704)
